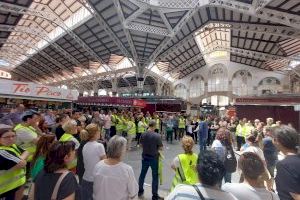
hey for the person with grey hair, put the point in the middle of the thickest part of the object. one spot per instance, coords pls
(114, 179)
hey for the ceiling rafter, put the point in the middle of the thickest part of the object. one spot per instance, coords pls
(16, 51)
(186, 64)
(264, 13)
(28, 44)
(167, 40)
(43, 35)
(92, 76)
(30, 68)
(127, 34)
(90, 7)
(52, 18)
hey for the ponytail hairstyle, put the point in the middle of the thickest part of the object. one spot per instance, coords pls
(89, 132)
(187, 144)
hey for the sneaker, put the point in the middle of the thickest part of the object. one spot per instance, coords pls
(157, 198)
(140, 194)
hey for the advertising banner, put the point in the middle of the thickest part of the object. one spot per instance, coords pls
(9, 87)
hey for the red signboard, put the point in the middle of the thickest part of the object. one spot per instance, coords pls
(111, 101)
(267, 100)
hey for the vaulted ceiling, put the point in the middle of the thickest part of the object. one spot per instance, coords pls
(262, 33)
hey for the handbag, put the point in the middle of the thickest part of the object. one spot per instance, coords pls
(57, 185)
(198, 192)
(230, 162)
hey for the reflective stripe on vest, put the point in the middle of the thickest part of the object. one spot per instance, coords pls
(11, 179)
(186, 172)
(30, 147)
(132, 130)
(181, 123)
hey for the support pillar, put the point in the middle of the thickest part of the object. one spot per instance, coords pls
(114, 83)
(159, 87)
(80, 91)
(95, 89)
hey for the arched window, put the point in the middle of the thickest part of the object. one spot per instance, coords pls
(196, 86)
(85, 93)
(295, 86)
(269, 85)
(218, 80)
(180, 91)
(241, 83)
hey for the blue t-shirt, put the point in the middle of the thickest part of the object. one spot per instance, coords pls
(270, 151)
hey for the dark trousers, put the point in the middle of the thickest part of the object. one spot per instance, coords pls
(240, 141)
(113, 131)
(146, 163)
(195, 137)
(169, 136)
(87, 189)
(202, 144)
(181, 132)
(175, 133)
(138, 136)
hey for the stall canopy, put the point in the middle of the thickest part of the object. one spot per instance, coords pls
(111, 101)
(16, 89)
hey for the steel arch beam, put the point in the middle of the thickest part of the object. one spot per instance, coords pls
(43, 35)
(28, 44)
(127, 34)
(52, 18)
(106, 27)
(29, 57)
(31, 67)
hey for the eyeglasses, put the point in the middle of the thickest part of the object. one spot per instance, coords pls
(8, 137)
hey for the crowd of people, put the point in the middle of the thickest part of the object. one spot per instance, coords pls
(79, 155)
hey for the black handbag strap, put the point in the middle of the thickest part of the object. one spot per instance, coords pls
(199, 193)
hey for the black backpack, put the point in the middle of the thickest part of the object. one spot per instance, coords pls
(230, 162)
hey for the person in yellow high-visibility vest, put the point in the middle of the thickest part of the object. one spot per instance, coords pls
(119, 124)
(157, 120)
(113, 123)
(13, 165)
(184, 164)
(70, 128)
(241, 132)
(181, 126)
(142, 126)
(27, 135)
(131, 132)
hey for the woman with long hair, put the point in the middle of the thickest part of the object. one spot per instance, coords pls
(56, 181)
(42, 149)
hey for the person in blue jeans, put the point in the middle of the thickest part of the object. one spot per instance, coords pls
(202, 133)
(151, 144)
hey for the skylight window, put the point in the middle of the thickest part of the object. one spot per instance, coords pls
(213, 41)
(294, 63)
